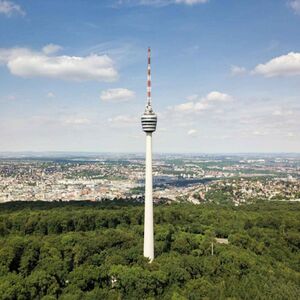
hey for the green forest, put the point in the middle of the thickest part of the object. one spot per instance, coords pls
(85, 250)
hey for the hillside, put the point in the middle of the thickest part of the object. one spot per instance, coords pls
(85, 250)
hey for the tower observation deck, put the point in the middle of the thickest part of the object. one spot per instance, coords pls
(149, 121)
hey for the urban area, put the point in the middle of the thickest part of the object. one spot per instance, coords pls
(193, 178)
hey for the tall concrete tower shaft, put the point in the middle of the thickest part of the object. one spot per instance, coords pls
(149, 121)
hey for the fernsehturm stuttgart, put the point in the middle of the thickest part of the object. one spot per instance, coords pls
(149, 121)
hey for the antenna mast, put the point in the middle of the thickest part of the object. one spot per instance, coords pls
(149, 100)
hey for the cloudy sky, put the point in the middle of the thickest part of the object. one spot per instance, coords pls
(226, 75)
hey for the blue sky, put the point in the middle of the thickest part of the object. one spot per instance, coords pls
(226, 75)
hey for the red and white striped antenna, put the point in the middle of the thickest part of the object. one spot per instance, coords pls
(149, 79)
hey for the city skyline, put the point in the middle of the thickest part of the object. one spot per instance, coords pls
(76, 81)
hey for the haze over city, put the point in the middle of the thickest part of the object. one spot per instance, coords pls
(73, 75)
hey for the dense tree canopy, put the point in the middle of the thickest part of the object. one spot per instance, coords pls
(94, 251)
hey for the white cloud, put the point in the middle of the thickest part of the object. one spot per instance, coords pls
(259, 133)
(217, 97)
(277, 112)
(192, 97)
(200, 104)
(295, 5)
(185, 107)
(51, 49)
(280, 112)
(117, 95)
(285, 65)
(191, 2)
(24, 62)
(76, 121)
(123, 120)
(236, 70)
(9, 8)
(160, 3)
(50, 95)
(192, 132)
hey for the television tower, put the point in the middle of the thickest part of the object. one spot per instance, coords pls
(149, 121)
